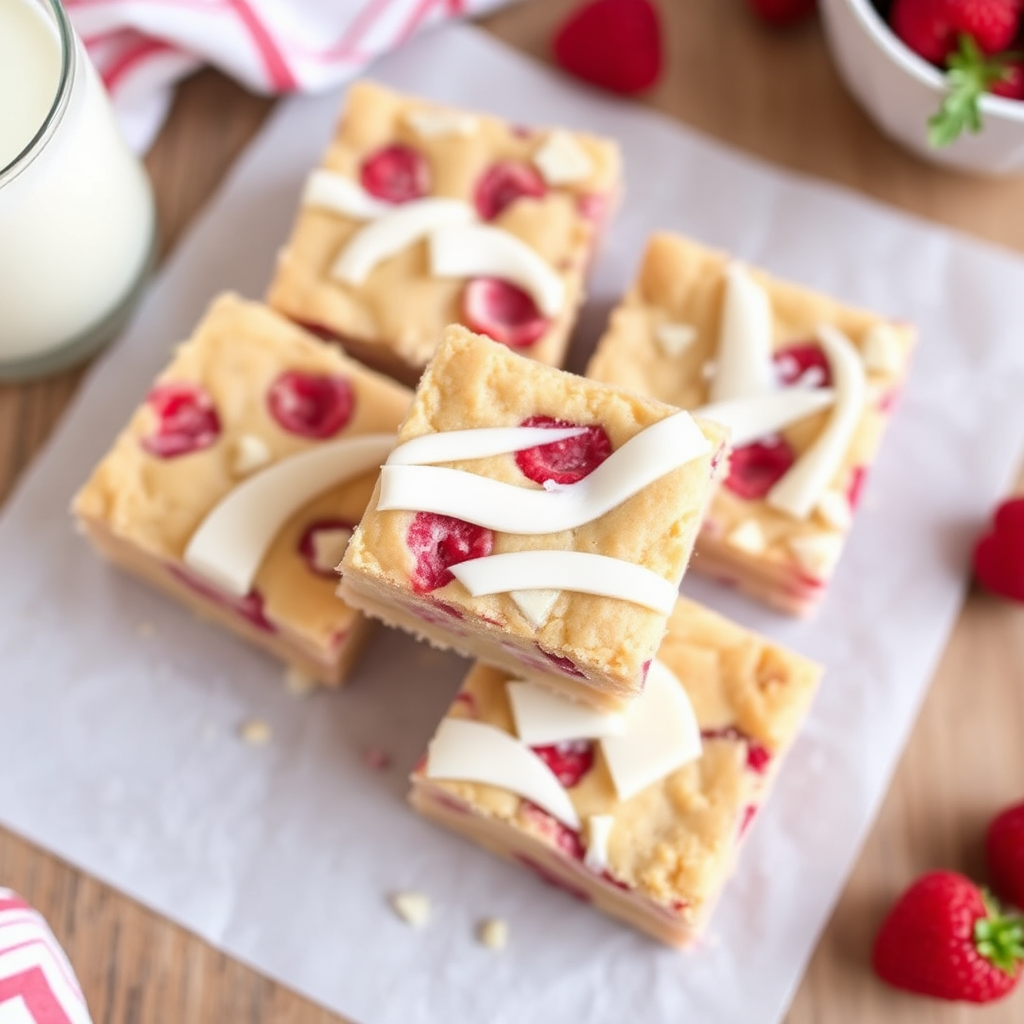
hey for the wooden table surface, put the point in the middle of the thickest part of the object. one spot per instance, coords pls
(775, 95)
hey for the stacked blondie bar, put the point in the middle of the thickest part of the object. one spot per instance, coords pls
(614, 738)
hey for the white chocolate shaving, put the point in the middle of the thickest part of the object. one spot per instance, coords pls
(535, 605)
(561, 160)
(834, 508)
(412, 907)
(481, 443)
(881, 350)
(462, 249)
(329, 190)
(229, 544)
(467, 751)
(748, 537)
(661, 735)
(542, 717)
(758, 416)
(744, 363)
(250, 453)
(803, 484)
(599, 830)
(577, 571)
(396, 230)
(644, 458)
(440, 124)
(675, 339)
(817, 553)
(329, 547)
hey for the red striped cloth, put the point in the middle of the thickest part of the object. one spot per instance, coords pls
(142, 47)
(37, 984)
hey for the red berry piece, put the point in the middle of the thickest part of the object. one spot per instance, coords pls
(503, 183)
(321, 331)
(855, 488)
(312, 405)
(594, 206)
(755, 468)
(758, 756)
(933, 28)
(1004, 851)
(249, 607)
(503, 312)
(570, 760)
(323, 543)
(551, 878)
(187, 421)
(552, 831)
(749, 813)
(614, 44)
(804, 365)
(1011, 85)
(999, 554)
(563, 462)
(782, 13)
(396, 174)
(944, 938)
(563, 664)
(439, 542)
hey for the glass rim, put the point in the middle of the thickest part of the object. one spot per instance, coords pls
(53, 117)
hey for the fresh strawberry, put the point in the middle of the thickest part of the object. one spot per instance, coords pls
(999, 555)
(945, 938)
(1011, 85)
(934, 28)
(1004, 850)
(781, 13)
(615, 44)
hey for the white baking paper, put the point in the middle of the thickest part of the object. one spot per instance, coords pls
(119, 750)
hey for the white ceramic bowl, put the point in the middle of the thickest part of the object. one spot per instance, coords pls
(900, 91)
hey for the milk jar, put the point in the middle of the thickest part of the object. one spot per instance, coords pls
(77, 220)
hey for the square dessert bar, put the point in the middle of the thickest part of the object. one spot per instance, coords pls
(639, 813)
(534, 520)
(421, 215)
(237, 483)
(805, 384)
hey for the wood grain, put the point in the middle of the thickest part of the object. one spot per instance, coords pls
(772, 94)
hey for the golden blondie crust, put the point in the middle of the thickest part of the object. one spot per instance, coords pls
(665, 340)
(245, 397)
(548, 189)
(663, 853)
(403, 562)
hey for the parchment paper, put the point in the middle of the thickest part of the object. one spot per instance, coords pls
(119, 751)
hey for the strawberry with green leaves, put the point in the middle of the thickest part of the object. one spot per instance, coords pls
(1004, 851)
(946, 938)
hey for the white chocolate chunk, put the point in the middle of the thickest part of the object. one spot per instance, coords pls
(578, 571)
(396, 230)
(440, 124)
(748, 537)
(468, 751)
(535, 605)
(478, 443)
(412, 907)
(749, 419)
(599, 830)
(231, 541)
(250, 453)
(675, 339)
(462, 249)
(644, 458)
(882, 351)
(817, 553)
(661, 735)
(255, 732)
(329, 190)
(493, 933)
(744, 362)
(543, 718)
(561, 160)
(803, 484)
(329, 547)
(834, 508)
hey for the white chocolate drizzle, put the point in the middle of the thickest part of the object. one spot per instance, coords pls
(329, 190)
(469, 751)
(535, 605)
(480, 443)
(662, 735)
(394, 231)
(561, 160)
(743, 365)
(644, 458)
(760, 415)
(578, 571)
(804, 483)
(230, 543)
(542, 717)
(599, 831)
(440, 124)
(464, 249)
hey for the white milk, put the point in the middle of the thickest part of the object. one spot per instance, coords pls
(76, 218)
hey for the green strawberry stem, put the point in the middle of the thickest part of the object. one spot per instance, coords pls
(999, 937)
(971, 74)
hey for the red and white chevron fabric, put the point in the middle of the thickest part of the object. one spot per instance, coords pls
(142, 47)
(37, 984)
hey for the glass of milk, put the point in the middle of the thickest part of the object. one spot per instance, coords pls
(77, 220)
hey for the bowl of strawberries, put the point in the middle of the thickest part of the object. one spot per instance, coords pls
(945, 78)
